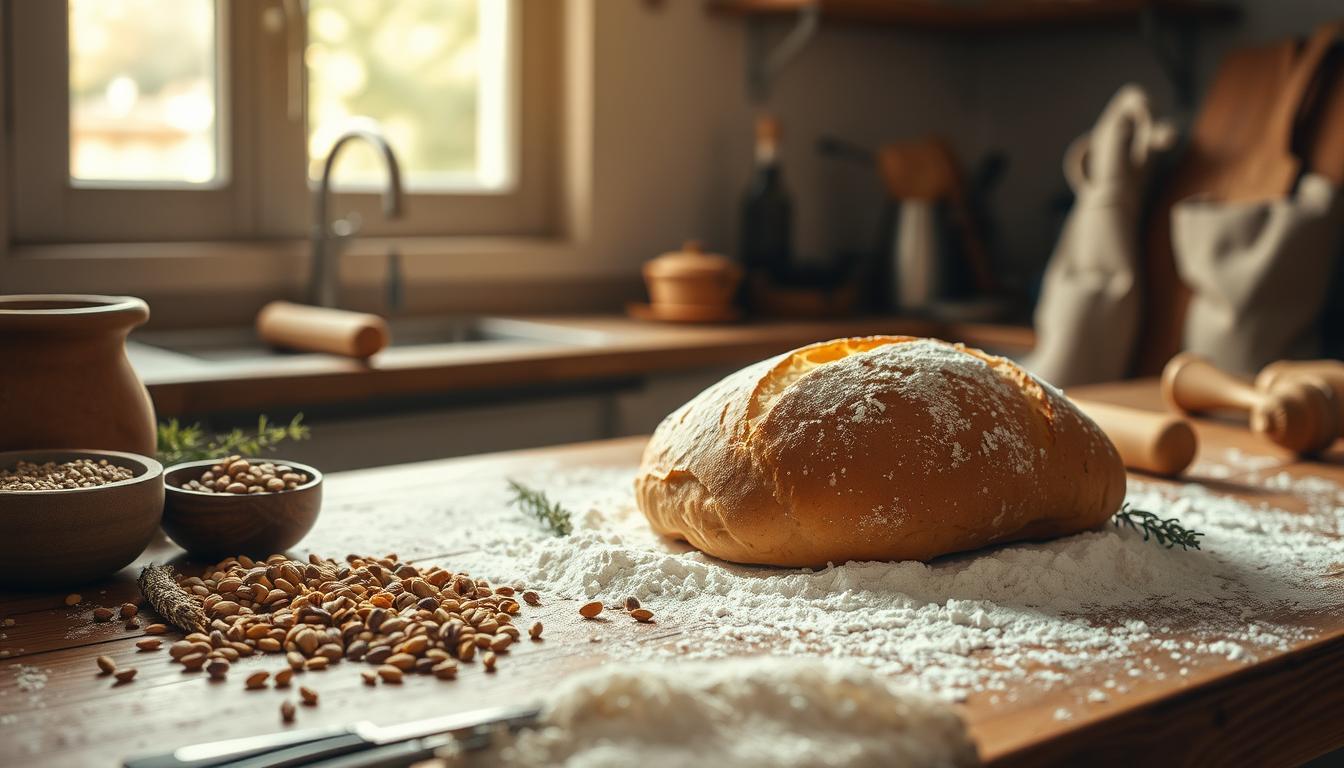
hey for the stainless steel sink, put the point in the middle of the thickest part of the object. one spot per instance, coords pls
(241, 342)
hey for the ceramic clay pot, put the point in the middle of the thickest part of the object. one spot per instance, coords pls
(65, 381)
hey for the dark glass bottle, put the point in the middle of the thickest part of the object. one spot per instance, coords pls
(766, 247)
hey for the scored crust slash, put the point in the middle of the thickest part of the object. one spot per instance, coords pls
(876, 448)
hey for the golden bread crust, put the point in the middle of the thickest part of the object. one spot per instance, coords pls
(876, 448)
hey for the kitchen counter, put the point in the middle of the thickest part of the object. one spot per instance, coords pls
(1279, 708)
(585, 348)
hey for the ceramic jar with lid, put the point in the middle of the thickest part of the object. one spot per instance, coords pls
(691, 277)
(67, 382)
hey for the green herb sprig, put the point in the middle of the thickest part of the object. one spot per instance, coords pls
(1167, 531)
(537, 504)
(178, 442)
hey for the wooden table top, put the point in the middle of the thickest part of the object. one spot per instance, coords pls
(1281, 709)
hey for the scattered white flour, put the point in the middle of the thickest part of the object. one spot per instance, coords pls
(748, 713)
(1103, 601)
(29, 679)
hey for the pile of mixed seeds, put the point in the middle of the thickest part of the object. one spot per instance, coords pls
(51, 476)
(399, 617)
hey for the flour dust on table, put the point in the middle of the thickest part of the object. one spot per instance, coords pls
(753, 713)
(984, 622)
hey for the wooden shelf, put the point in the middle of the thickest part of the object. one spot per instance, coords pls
(989, 15)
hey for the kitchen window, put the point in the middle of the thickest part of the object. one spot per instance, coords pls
(163, 120)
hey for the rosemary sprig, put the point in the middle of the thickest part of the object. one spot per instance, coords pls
(1168, 532)
(537, 504)
(178, 443)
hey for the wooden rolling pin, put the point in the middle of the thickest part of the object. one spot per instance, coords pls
(321, 329)
(1298, 413)
(1159, 443)
(1329, 371)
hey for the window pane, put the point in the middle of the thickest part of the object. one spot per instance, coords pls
(433, 73)
(143, 91)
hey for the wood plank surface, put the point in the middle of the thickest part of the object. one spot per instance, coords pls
(1281, 709)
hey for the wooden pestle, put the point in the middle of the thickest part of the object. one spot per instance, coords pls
(1298, 413)
(1159, 443)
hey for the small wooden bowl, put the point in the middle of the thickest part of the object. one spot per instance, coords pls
(219, 525)
(77, 535)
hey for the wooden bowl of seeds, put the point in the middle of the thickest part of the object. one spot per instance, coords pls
(239, 506)
(72, 516)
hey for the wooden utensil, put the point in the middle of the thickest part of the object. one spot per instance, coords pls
(1159, 443)
(322, 329)
(1329, 371)
(1299, 414)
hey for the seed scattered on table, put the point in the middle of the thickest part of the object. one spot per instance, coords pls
(531, 598)
(156, 629)
(73, 599)
(129, 610)
(218, 669)
(535, 631)
(287, 711)
(106, 664)
(642, 615)
(149, 644)
(591, 610)
(125, 675)
(101, 614)
(257, 680)
(309, 696)
(632, 603)
(399, 618)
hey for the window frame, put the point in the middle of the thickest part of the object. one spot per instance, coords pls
(266, 193)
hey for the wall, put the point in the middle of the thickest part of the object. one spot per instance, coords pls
(674, 128)
(1032, 94)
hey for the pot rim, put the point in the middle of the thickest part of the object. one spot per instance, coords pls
(94, 304)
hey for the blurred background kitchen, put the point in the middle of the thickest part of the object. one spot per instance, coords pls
(529, 222)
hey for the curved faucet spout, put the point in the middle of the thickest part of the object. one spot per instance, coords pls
(322, 283)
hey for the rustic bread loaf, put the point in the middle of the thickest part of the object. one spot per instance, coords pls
(878, 448)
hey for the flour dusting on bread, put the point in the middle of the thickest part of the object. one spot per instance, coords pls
(875, 448)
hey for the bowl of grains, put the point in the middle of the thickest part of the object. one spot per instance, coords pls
(75, 515)
(237, 505)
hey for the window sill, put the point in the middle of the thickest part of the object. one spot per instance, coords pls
(283, 265)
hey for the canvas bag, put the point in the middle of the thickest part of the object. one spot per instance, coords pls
(1259, 273)
(1087, 318)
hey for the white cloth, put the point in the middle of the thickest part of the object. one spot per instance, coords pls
(1259, 273)
(1087, 319)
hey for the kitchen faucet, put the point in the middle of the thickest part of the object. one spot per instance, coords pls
(330, 239)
